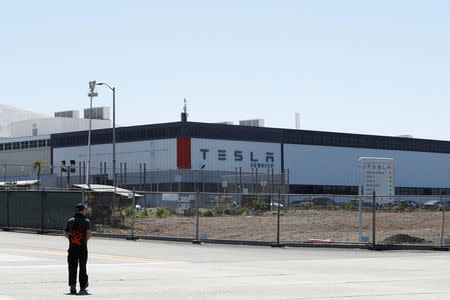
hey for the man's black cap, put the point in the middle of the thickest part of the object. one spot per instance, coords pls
(80, 207)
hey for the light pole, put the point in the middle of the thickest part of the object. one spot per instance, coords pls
(113, 89)
(91, 94)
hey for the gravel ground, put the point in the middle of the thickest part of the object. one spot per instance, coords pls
(298, 226)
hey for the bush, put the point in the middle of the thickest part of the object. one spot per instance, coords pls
(161, 213)
(259, 205)
(127, 212)
(244, 210)
(330, 205)
(348, 206)
(208, 213)
(219, 210)
(173, 210)
(188, 213)
(144, 214)
(232, 210)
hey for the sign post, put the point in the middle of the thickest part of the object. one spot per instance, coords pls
(376, 176)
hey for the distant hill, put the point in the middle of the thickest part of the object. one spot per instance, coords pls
(10, 114)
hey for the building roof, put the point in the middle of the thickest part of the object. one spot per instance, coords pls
(247, 133)
(18, 183)
(107, 189)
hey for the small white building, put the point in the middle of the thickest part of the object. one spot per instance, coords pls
(55, 125)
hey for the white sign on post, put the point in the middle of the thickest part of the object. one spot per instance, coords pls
(377, 174)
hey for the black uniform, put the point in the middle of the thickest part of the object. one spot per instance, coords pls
(77, 228)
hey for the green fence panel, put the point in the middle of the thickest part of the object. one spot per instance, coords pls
(25, 209)
(3, 209)
(59, 207)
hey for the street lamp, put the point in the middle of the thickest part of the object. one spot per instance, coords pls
(92, 93)
(113, 89)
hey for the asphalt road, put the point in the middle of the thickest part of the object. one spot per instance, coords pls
(34, 267)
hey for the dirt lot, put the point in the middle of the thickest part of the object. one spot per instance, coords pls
(298, 226)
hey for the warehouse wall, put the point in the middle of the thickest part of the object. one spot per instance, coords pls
(324, 165)
(19, 162)
(223, 155)
(157, 154)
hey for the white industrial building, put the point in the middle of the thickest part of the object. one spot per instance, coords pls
(30, 141)
(18, 154)
(62, 122)
(317, 162)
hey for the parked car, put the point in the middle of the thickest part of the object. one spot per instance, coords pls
(301, 203)
(322, 201)
(435, 204)
(406, 204)
(365, 204)
(275, 205)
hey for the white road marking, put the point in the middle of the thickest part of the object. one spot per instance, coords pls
(6, 257)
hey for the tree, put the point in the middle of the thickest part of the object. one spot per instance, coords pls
(38, 165)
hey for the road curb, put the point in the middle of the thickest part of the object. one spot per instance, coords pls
(378, 247)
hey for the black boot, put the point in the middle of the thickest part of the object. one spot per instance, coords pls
(84, 287)
(73, 289)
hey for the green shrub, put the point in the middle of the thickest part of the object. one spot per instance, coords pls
(208, 213)
(244, 210)
(232, 210)
(348, 206)
(259, 205)
(330, 205)
(219, 210)
(173, 210)
(400, 208)
(161, 213)
(188, 213)
(127, 212)
(144, 214)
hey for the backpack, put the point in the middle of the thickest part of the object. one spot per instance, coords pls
(76, 235)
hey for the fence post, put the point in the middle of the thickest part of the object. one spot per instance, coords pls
(278, 220)
(133, 203)
(43, 198)
(197, 216)
(8, 211)
(360, 204)
(241, 189)
(374, 223)
(443, 220)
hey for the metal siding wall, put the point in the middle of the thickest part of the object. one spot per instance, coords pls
(213, 163)
(157, 154)
(324, 165)
(24, 159)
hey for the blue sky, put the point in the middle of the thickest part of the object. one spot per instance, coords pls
(376, 67)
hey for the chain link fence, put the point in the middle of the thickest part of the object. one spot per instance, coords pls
(237, 217)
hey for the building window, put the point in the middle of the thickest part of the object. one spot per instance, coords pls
(1, 147)
(41, 143)
(8, 146)
(24, 145)
(33, 144)
(49, 143)
(16, 145)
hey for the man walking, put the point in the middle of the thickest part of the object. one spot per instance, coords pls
(78, 231)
